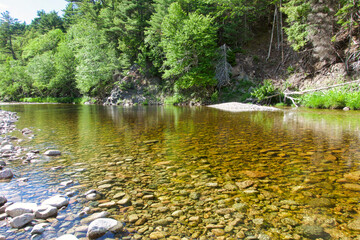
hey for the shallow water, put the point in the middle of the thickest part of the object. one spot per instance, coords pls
(296, 160)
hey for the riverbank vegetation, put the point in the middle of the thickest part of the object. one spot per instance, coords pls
(197, 51)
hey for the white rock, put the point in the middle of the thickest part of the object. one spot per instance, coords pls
(7, 148)
(52, 153)
(20, 208)
(2, 237)
(46, 211)
(56, 201)
(67, 183)
(101, 226)
(22, 220)
(39, 228)
(6, 174)
(67, 237)
(95, 216)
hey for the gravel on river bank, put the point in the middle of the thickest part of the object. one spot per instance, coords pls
(242, 107)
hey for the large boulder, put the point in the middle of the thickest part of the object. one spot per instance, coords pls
(56, 201)
(22, 220)
(6, 174)
(101, 226)
(20, 208)
(46, 211)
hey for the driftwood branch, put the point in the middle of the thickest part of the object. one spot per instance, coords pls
(288, 94)
(321, 88)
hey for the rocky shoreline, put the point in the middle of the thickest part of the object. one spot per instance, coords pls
(34, 218)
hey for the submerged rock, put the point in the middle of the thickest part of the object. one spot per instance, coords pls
(354, 225)
(95, 216)
(52, 153)
(313, 232)
(56, 201)
(67, 237)
(39, 228)
(101, 226)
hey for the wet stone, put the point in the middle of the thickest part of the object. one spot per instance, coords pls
(321, 202)
(157, 235)
(22, 220)
(6, 174)
(354, 225)
(352, 187)
(313, 232)
(52, 153)
(3, 200)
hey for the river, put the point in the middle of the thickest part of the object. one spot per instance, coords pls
(194, 172)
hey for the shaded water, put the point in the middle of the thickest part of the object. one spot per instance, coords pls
(195, 160)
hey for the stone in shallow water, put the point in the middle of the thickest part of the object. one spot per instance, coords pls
(313, 232)
(2, 164)
(321, 202)
(3, 200)
(352, 186)
(353, 176)
(255, 174)
(20, 208)
(6, 174)
(67, 237)
(245, 184)
(91, 218)
(354, 225)
(157, 235)
(101, 226)
(22, 220)
(39, 228)
(46, 211)
(52, 153)
(56, 201)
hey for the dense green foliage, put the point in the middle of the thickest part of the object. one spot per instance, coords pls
(79, 53)
(333, 99)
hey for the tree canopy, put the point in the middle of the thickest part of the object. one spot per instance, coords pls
(180, 42)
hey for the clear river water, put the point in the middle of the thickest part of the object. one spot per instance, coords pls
(193, 172)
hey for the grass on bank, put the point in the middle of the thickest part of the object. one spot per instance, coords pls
(332, 99)
(55, 100)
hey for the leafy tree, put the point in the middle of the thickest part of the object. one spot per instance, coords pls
(189, 42)
(124, 22)
(46, 22)
(14, 81)
(41, 70)
(96, 61)
(43, 43)
(154, 31)
(10, 29)
(297, 12)
(63, 84)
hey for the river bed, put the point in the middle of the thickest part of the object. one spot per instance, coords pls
(193, 172)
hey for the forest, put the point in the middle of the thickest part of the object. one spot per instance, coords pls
(189, 46)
